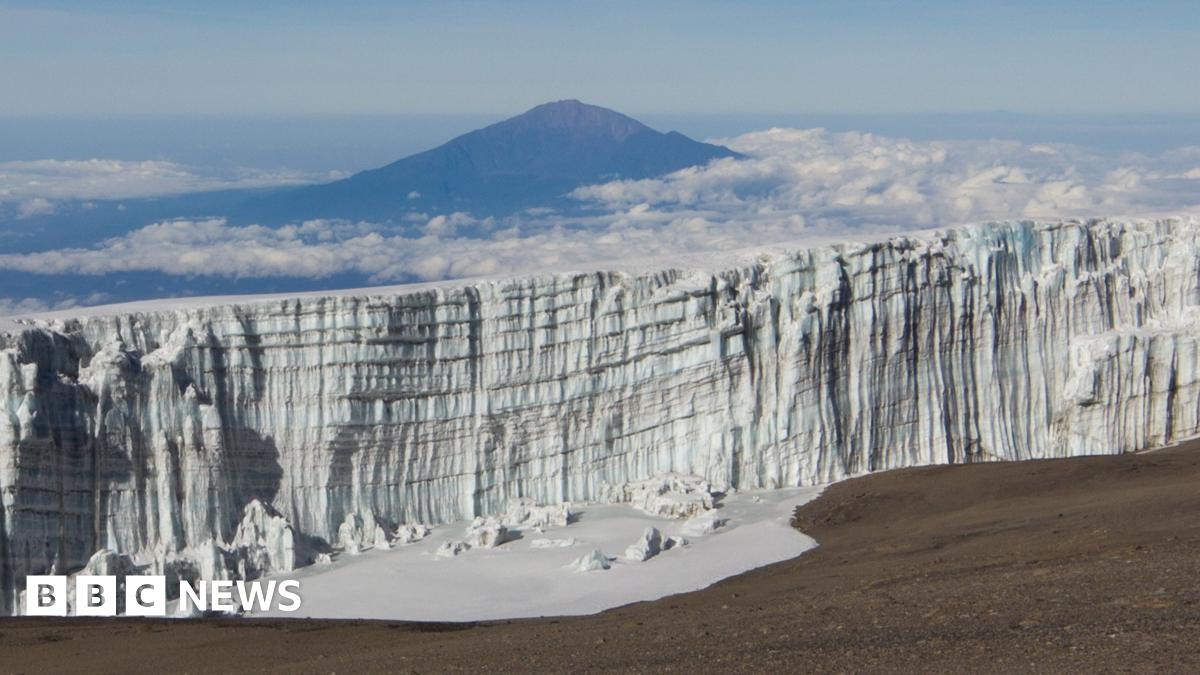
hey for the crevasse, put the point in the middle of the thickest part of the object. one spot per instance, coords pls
(150, 433)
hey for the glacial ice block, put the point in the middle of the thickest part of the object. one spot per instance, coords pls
(148, 431)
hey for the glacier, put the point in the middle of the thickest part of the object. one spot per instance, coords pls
(240, 436)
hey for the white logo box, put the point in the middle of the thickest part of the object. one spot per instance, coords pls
(146, 595)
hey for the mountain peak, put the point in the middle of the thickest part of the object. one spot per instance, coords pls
(575, 116)
(532, 160)
(565, 104)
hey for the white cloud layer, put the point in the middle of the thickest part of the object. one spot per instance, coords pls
(793, 183)
(857, 179)
(35, 185)
(322, 248)
(19, 306)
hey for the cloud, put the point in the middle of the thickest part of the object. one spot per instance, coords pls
(793, 183)
(35, 207)
(861, 180)
(40, 182)
(19, 306)
(320, 248)
(15, 306)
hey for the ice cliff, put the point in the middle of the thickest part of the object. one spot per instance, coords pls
(262, 426)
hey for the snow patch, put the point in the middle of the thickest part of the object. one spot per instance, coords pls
(486, 533)
(703, 524)
(592, 561)
(416, 583)
(565, 542)
(451, 549)
(670, 495)
(525, 513)
(411, 533)
(646, 547)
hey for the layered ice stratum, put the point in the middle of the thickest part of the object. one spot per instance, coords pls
(252, 436)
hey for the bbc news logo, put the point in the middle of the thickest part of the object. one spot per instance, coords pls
(46, 595)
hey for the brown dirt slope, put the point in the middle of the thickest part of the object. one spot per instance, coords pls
(1079, 565)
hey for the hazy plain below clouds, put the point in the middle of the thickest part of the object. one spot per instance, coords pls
(35, 186)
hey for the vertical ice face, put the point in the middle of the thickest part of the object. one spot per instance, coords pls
(153, 433)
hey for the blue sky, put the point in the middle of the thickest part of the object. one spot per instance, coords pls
(222, 57)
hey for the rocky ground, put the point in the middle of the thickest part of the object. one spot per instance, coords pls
(1080, 565)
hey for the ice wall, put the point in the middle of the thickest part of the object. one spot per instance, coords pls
(150, 433)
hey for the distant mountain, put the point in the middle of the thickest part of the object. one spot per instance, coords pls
(533, 159)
